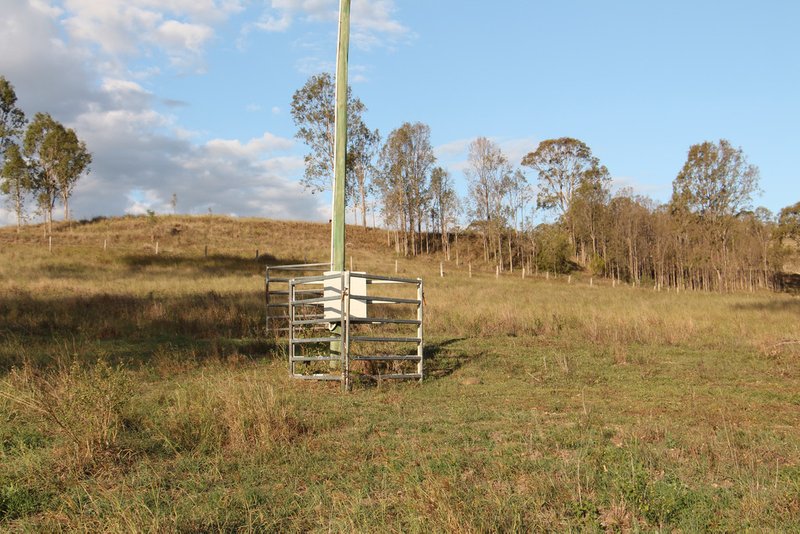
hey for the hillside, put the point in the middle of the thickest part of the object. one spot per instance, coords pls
(139, 392)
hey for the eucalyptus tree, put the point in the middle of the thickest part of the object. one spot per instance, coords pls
(405, 162)
(57, 159)
(715, 183)
(789, 222)
(562, 165)
(313, 110)
(488, 173)
(14, 175)
(716, 180)
(364, 146)
(517, 194)
(588, 210)
(12, 118)
(444, 205)
(15, 180)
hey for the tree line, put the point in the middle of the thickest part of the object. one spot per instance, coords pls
(42, 160)
(707, 236)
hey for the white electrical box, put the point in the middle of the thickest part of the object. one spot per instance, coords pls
(333, 288)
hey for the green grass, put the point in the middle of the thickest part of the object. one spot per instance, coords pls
(137, 392)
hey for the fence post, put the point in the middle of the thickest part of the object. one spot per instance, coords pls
(441, 269)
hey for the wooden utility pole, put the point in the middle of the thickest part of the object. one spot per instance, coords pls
(340, 140)
(340, 156)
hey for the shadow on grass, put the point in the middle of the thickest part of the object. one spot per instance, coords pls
(792, 305)
(442, 359)
(64, 271)
(42, 328)
(216, 264)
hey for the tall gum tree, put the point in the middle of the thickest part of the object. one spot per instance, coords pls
(313, 110)
(444, 205)
(488, 173)
(15, 181)
(364, 146)
(14, 175)
(405, 162)
(12, 119)
(715, 184)
(58, 159)
(562, 165)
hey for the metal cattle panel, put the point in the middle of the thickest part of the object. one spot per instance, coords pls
(341, 302)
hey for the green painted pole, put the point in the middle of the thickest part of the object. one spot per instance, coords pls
(340, 140)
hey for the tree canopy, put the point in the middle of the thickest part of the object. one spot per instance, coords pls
(715, 181)
(313, 110)
(12, 119)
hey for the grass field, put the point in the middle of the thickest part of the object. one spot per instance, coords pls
(139, 393)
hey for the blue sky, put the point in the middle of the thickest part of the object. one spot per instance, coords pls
(192, 96)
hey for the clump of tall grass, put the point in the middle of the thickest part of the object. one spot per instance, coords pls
(82, 405)
(230, 412)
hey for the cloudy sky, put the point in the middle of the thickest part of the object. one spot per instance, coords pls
(191, 97)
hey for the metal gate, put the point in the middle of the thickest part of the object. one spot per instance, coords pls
(335, 320)
(277, 292)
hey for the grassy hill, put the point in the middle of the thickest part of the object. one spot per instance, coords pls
(138, 392)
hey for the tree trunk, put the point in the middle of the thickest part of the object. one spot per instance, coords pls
(18, 207)
(65, 197)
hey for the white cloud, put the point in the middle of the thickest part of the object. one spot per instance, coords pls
(373, 22)
(268, 143)
(179, 29)
(517, 148)
(140, 155)
(176, 35)
(39, 58)
(275, 24)
(452, 148)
